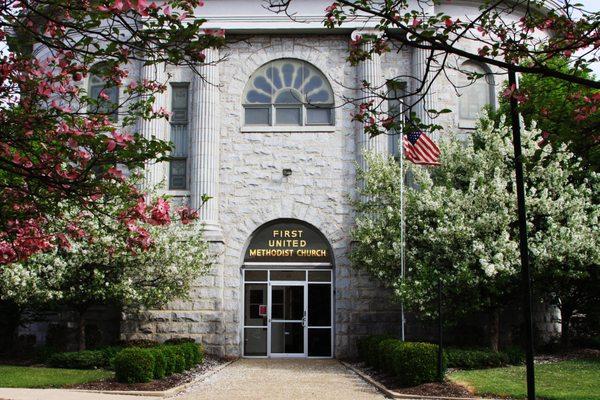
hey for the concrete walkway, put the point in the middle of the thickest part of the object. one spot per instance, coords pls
(62, 394)
(289, 379)
(245, 379)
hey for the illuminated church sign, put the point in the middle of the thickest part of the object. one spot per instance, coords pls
(288, 241)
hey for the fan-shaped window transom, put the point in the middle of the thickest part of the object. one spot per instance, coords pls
(288, 92)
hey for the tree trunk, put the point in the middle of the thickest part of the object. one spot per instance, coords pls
(80, 331)
(494, 328)
(565, 326)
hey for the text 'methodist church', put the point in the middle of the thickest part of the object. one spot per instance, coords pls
(265, 132)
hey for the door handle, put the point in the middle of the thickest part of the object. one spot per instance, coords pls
(303, 322)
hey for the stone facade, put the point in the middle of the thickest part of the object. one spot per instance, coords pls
(241, 167)
(253, 191)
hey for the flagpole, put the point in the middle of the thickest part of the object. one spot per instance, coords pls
(402, 272)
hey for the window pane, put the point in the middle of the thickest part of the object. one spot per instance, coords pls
(179, 138)
(319, 342)
(108, 106)
(318, 116)
(288, 96)
(287, 116)
(287, 302)
(255, 341)
(179, 103)
(255, 304)
(177, 174)
(287, 337)
(256, 275)
(319, 276)
(319, 305)
(475, 94)
(257, 116)
(288, 276)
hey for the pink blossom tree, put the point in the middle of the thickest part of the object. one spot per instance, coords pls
(64, 149)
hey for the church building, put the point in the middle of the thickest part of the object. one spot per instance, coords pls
(264, 130)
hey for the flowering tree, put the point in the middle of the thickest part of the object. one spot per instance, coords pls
(560, 111)
(103, 269)
(460, 227)
(62, 148)
(524, 36)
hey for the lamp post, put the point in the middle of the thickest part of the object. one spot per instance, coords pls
(440, 354)
(523, 247)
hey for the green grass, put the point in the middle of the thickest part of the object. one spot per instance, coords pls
(30, 377)
(565, 380)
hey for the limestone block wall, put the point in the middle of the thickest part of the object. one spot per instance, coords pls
(254, 191)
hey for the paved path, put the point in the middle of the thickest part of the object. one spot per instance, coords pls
(289, 379)
(245, 379)
(61, 394)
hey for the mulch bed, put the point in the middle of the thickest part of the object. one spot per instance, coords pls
(569, 355)
(444, 389)
(155, 385)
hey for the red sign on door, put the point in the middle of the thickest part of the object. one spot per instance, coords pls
(262, 310)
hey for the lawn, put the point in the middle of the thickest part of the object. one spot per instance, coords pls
(565, 380)
(30, 377)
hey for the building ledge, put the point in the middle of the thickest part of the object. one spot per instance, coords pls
(284, 128)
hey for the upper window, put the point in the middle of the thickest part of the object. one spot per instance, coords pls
(105, 93)
(178, 163)
(395, 111)
(288, 92)
(476, 91)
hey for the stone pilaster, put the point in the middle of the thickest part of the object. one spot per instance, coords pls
(370, 71)
(424, 100)
(158, 127)
(205, 142)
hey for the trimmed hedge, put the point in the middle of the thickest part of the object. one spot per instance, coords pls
(478, 359)
(368, 349)
(138, 363)
(165, 360)
(87, 359)
(134, 364)
(160, 362)
(410, 363)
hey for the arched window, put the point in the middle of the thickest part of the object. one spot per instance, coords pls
(109, 102)
(476, 91)
(288, 92)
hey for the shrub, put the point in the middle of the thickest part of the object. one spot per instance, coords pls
(87, 359)
(160, 361)
(411, 363)
(179, 364)
(368, 349)
(43, 353)
(188, 354)
(198, 351)
(414, 363)
(143, 343)
(514, 355)
(385, 348)
(169, 354)
(109, 353)
(134, 364)
(475, 359)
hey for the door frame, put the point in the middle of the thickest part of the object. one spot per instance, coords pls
(306, 267)
(304, 321)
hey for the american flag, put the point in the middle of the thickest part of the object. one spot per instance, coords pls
(420, 149)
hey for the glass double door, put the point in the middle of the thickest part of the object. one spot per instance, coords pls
(288, 313)
(287, 319)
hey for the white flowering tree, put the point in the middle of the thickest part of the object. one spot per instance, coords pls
(100, 268)
(461, 226)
